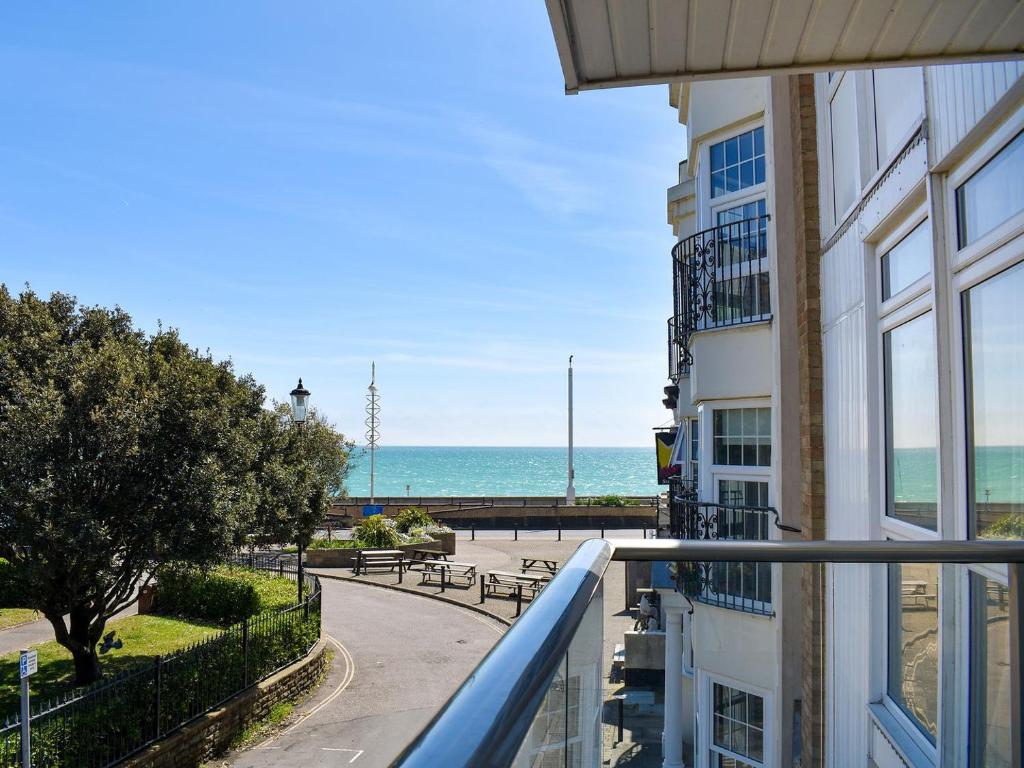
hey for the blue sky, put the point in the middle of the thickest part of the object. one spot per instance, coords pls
(306, 187)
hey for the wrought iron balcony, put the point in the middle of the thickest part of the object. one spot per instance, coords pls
(740, 586)
(720, 279)
(678, 366)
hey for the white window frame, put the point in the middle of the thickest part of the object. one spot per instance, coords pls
(920, 286)
(709, 207)
(1005, 232)
(991, 254)
(708, 439)
(705, 733)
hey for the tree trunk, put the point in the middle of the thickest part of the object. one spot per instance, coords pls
(87, 666)
(80, 637)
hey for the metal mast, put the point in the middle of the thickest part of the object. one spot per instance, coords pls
(570, 491)
(372, 425)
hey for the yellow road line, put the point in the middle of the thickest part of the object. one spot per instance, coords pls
(350, 671)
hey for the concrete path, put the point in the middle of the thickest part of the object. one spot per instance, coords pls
(397, 659)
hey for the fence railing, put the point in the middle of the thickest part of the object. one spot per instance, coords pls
(105, 723)
(721, 278)
(739, 586)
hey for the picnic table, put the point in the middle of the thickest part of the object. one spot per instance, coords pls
(510, 583)
(539, 564)
(380, 558)
(420, 557)
(438, 568)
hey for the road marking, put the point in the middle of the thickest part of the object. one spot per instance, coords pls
(343, 749)
(350, 671)
(486, 621)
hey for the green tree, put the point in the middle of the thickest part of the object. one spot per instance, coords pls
(119, 452)
(302, 468)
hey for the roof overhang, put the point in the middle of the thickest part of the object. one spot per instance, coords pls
(609, 43)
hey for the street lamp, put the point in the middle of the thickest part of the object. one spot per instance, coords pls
(300, 403)
(300, 409)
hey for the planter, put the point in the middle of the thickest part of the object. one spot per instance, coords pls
(346, 558)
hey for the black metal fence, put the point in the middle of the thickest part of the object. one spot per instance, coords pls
(740, 586)
(721, 278)
(103, 724)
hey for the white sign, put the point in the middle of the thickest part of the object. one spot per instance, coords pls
(29, 663)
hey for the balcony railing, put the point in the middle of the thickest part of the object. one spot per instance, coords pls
(539, 699)
(678, 366)
(720, 279)
(740, 586)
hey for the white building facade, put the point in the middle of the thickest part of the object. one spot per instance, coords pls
(920, 210)
(922, 321)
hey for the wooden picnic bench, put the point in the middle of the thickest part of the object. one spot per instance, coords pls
(506, 582)
(538, 564)
(380, 558)
(465, 573)
(421, 557)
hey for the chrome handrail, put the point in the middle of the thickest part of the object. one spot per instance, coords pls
(486, 721)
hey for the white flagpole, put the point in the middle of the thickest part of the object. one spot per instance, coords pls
(570, 491)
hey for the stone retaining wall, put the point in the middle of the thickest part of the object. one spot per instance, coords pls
(212, 733)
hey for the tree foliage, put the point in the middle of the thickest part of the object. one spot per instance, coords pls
(302, 468)
(120, 452)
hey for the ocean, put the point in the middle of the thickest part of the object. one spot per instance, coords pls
(465, 471)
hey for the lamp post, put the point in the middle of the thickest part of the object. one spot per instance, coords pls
(300, 409)
(570, 491)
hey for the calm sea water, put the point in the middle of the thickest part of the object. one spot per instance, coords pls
(999, 471)
(464, 471)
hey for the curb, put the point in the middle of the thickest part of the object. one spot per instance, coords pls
(411, 591)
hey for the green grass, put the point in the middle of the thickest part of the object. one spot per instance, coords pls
(12, 617)
(144, 637)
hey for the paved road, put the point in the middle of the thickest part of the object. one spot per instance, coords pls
(400, 657)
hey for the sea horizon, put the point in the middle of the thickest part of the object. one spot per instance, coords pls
(466, 470)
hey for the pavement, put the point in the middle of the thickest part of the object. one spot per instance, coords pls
(397, 659)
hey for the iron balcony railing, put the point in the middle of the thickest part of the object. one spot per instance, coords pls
(537, 698)
(677, 364)
(721, 278)
(740, 586)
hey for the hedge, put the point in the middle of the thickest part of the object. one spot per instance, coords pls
(223, 595)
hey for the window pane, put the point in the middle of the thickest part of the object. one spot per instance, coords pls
(732, 151)
(993, 194)
(842, 111)
(913, 671)
(899, 104)
(907, 261)
(717, 157)
(990, 674)
(737, 162)
(911, 447)
(994, 367)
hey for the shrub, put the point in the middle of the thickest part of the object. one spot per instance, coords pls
(333, 544)
(413, 517)
(1009, 526)
(223, 595)
(378, 532)
(611, 500)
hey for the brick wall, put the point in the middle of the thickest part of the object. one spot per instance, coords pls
(212, 734)
(812, 446)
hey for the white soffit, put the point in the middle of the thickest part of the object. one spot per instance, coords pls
(607, 43)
